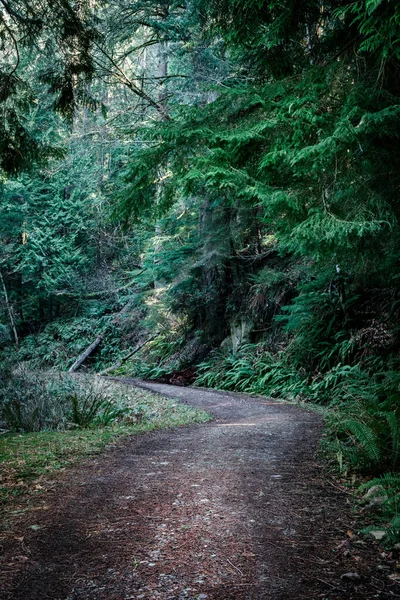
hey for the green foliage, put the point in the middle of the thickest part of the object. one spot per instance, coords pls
(158, 358)
(64, 264)
(92, 409)
(4, 334)
(42, 43)
(385, 496)
(255, 370)
(379, 24)
(62, 341)
(364, 423)
(42, 402)
(29, 403)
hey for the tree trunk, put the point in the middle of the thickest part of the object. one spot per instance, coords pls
(162, 72)
(81, 359)
(163, 75)
(9, 310)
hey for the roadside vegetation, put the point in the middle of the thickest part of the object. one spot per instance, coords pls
(53, 421)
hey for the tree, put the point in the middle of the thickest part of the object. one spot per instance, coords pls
(304, 137)
(43, 42)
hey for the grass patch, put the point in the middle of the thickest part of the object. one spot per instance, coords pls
(28, 461)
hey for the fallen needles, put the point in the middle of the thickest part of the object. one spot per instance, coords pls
(334, 587)
(236, 568)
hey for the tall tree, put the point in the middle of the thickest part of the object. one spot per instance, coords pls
(46, 42)
(305, 135)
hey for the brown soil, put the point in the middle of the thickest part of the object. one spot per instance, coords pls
(237, 509)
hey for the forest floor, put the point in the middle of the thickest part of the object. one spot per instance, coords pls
(235, 509)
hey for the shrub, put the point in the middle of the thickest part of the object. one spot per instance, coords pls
(45, 401)
(28, 402)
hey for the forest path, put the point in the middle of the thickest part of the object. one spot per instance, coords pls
(233, 509)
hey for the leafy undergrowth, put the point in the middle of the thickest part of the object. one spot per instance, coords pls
(29, 461)
(360, 406)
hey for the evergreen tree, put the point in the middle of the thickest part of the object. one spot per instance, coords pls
(47, 43)
(305, 139)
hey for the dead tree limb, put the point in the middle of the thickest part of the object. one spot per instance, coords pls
(85, 354)
(125, 358)
(90, 349)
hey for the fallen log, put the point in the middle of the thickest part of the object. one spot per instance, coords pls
(82, 357)
(85, 354)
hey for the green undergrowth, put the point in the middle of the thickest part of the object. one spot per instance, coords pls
(30, 460)
(158, 358)
(361, 410)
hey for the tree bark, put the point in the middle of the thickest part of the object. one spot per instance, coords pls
(81, 359)
(9, 310)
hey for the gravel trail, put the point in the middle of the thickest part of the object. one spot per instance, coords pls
(235, 509)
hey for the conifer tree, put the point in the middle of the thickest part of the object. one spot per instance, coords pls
(305, 135)
(42, 43)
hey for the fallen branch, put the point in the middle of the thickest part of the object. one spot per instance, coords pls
(85, 354)
(99, 339)
(127, 356)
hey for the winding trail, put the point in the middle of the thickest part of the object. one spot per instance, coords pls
(235, 509)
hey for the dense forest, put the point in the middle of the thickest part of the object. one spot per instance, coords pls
(207, 192)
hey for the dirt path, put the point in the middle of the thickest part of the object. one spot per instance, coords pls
(235, 509)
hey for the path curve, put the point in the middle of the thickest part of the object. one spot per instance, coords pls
(235, 509)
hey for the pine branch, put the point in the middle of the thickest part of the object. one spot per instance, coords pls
(18, 17)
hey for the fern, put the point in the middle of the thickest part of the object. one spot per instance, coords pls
(85, 409)
(365, 439)
(393, 420)
(387, 508)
